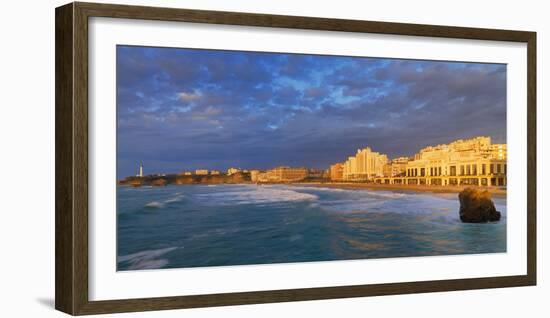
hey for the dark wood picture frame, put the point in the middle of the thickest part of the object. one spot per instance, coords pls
(71, 154)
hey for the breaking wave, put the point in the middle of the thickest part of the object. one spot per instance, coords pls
(176, 198)
(161, 204)
(255, 195)
(146, 259)
(351, 201)
(155, 205)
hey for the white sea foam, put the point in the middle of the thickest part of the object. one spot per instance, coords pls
(326, 189)
(355, 205)
(176, 198)
(255, 195)
(155, 205)
(388, 202)
(341, 201)
(160, 204)
(146, 259)
(356, 193)
(388, 194)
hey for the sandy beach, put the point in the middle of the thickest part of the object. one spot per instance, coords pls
(498, 192)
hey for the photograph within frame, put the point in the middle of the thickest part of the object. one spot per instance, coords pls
(237, 157)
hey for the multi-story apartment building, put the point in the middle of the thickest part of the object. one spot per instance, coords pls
(289, 174)
(365, 165)
(317, 174)
(396, 167)
(282, 174)
(337, 172)
(350, 166)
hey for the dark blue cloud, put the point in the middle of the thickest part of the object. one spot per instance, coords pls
(183, 109)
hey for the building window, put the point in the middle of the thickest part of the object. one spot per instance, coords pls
(439, 172)
(474, 170)
(431, 171)
(461, 170)
(483, 169)
(504, 168)
(492, 169)
(468, 170)
(422, 172)
(453, 171)
(498, 168)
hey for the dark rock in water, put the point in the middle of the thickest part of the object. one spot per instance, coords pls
(476, 206)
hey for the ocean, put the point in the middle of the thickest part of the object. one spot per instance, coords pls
(219, 225)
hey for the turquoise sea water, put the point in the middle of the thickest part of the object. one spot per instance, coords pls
(217, 225)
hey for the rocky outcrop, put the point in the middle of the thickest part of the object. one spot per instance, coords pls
(239, 177)
(131, 181)
(476, 206)
(181, 179)
(159, 182)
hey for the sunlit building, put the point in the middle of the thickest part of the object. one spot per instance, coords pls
(337, 172)
(317, 174)
(283, 174)
(473, 161)
(289, 174)
(365, 165)
(231, 171)
(350, 166)
(201, 172)
(396, 167)
(254, 175)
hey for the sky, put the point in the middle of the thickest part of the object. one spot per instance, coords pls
(185, 109)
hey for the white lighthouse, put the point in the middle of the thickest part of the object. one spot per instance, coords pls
(140, 174)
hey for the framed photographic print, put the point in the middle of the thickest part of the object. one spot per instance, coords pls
(211, 158)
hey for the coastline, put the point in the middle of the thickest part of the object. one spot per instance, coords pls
(497, 192)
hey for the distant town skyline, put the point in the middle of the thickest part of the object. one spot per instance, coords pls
(187, 109)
